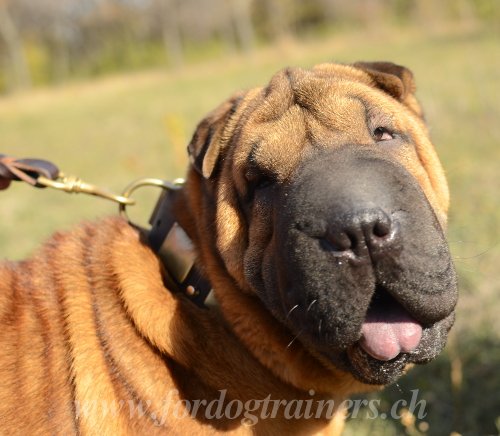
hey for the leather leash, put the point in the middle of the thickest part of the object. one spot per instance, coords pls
(27, 170)
(165, 237)
(44, 174)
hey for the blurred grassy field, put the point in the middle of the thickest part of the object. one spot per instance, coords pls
(122, 128)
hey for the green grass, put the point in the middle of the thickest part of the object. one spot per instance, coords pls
(122, 128)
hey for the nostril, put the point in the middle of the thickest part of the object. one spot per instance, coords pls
(380, 234)
(338, 241)
(381, 229)
(360, 234)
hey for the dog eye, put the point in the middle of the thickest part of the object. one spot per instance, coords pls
(382, 134)
(258, 178)
(263, 182)
(257, 181)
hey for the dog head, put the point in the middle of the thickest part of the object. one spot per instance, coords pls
(322, 198)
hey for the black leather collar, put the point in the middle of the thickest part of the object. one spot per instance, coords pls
(176, 251)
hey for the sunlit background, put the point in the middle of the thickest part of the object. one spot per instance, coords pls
(111, 90)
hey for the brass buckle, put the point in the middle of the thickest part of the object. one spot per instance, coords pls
(72, 184)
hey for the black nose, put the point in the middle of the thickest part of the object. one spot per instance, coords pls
(369, 233)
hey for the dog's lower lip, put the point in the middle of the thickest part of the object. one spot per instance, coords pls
(373, 371)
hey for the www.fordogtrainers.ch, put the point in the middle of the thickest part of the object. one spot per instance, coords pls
(251, 411)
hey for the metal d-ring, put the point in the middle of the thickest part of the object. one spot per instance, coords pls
(148, 181)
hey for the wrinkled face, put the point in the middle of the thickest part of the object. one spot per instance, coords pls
(329, 204)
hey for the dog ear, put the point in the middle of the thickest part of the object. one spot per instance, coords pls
(211, 137)
(395, 80)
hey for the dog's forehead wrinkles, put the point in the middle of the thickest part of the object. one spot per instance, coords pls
(262, 145)
(305, 88)
(330, 97)
(335, 120)
(318, 108)
(278, 115)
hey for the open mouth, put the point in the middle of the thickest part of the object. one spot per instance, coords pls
(388, 329)
(389, 338)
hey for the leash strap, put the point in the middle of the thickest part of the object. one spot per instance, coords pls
(44, 174)
(26, 170)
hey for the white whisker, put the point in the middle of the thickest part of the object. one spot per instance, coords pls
(293, 340)
(291, 310)
(309, 307)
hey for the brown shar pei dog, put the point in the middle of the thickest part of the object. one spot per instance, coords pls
(316, 207)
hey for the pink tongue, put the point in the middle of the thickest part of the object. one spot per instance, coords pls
(385, 336)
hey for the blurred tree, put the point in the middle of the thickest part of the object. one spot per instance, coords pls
(242, 22)
(278, 18)
(55, 24)
(19, 76)
(430, 13)
(466, 12)
(171, 31)
(372, 12)
(61, 38)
